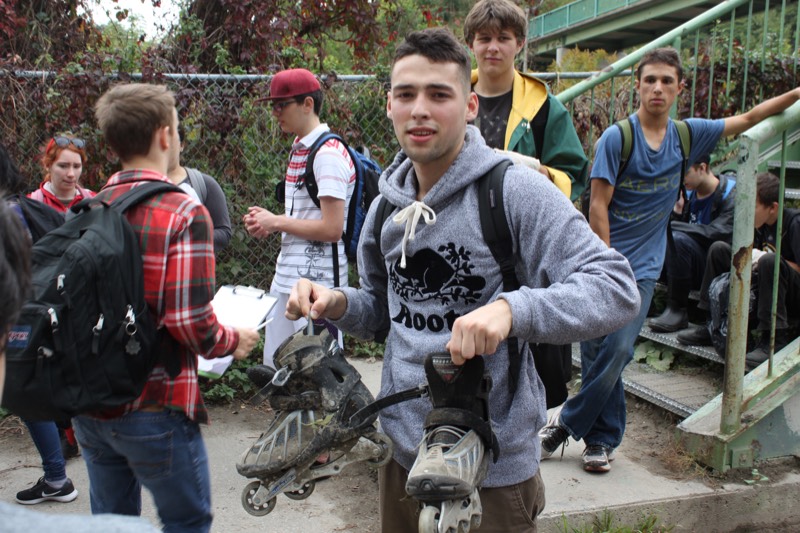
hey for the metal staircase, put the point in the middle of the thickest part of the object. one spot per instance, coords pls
(731, 420)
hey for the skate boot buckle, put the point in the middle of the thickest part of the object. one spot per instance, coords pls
(281, 377)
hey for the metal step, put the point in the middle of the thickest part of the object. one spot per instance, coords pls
(681, 390)
(671, 340)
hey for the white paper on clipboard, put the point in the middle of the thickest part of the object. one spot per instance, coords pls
(238, 306)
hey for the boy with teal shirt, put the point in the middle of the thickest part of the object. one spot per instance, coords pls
(630, 213)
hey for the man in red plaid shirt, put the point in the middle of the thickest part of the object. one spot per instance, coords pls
(155, 440)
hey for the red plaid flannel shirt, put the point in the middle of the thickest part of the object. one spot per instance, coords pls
(175, 233)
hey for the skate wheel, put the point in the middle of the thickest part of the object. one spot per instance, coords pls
(387, 447)
(476, 521)
(251, 507)
(302, 493)
(428, 520)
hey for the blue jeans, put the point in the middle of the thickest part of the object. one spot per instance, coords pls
(597, 413)
(163, 451)
(48, 443)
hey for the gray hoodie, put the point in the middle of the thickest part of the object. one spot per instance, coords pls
(574, 288)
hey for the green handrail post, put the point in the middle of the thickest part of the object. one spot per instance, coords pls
(633, 58)
(696, 62)
(746, 48)
(778, 243)
(741, 267)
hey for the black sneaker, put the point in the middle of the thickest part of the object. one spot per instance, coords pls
(698, 336)
(597, 458)
(551, 437)
(43, 492)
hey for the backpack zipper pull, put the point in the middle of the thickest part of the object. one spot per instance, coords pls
(42, 353)
(96, 331)
(57, 344)
(61, 289)
(132, 347)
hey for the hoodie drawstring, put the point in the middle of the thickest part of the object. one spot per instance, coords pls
(410, 215)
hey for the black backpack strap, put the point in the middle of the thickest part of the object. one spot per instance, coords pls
(140, 193)
(135, 196)
(538, 125)
(309, 180)
(497, 236)
(382, 213)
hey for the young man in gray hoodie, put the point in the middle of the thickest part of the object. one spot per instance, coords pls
(437, 286)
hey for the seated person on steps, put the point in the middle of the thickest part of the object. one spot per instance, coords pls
(707, 218)
(788, 305)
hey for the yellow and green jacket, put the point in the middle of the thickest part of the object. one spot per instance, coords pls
(562, 152)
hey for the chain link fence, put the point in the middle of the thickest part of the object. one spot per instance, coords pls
(227, 135)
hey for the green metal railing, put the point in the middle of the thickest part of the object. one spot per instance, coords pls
(709, 51)
(751, 144)
(571, 14)
(720, 432)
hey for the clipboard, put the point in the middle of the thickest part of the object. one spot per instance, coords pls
(243, 307)
(238, 306)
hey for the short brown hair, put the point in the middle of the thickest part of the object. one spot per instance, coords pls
(667, 56)
(768, 188)
(496, 15)
(129, 114)
(438, 45)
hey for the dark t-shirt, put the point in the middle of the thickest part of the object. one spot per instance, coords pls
(492, 119)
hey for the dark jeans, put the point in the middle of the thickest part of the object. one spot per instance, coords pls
(48, 443)
(788, 293)
(687, 263)
(718, 261)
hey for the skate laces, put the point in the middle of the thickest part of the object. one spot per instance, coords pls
(410, 215)
(445, 437)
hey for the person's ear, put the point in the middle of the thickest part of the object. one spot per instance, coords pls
(472, 106)
(164, 134)
(389, 104)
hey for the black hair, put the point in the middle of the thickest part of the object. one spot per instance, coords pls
(11, 181)
(316, 96)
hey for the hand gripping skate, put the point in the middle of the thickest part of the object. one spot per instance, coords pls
(314, 393)
(452, 462)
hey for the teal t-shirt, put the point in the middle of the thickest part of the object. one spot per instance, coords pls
(646, 192)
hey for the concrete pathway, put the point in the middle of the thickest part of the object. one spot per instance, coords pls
(348, 502)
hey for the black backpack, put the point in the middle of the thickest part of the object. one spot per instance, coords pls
(368, 172)
(40, 218)
(553, 362)
(85, 339)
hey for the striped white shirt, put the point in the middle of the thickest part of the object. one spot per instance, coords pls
(335, 175)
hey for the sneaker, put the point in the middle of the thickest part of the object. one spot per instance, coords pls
(597, 458)
(43, 492)
(450, 464)
(551, 437)
(698, 336)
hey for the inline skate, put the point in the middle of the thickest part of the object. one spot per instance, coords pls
(452, 460)
(314, 392)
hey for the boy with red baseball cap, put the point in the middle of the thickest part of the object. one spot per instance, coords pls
(307, 231)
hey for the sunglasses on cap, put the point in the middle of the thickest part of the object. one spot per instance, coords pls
(63, 142)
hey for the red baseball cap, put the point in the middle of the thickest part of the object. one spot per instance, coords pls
(292, 82)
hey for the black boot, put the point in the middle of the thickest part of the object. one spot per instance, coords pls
(699, 336)
(674, 316)
(761, 351)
